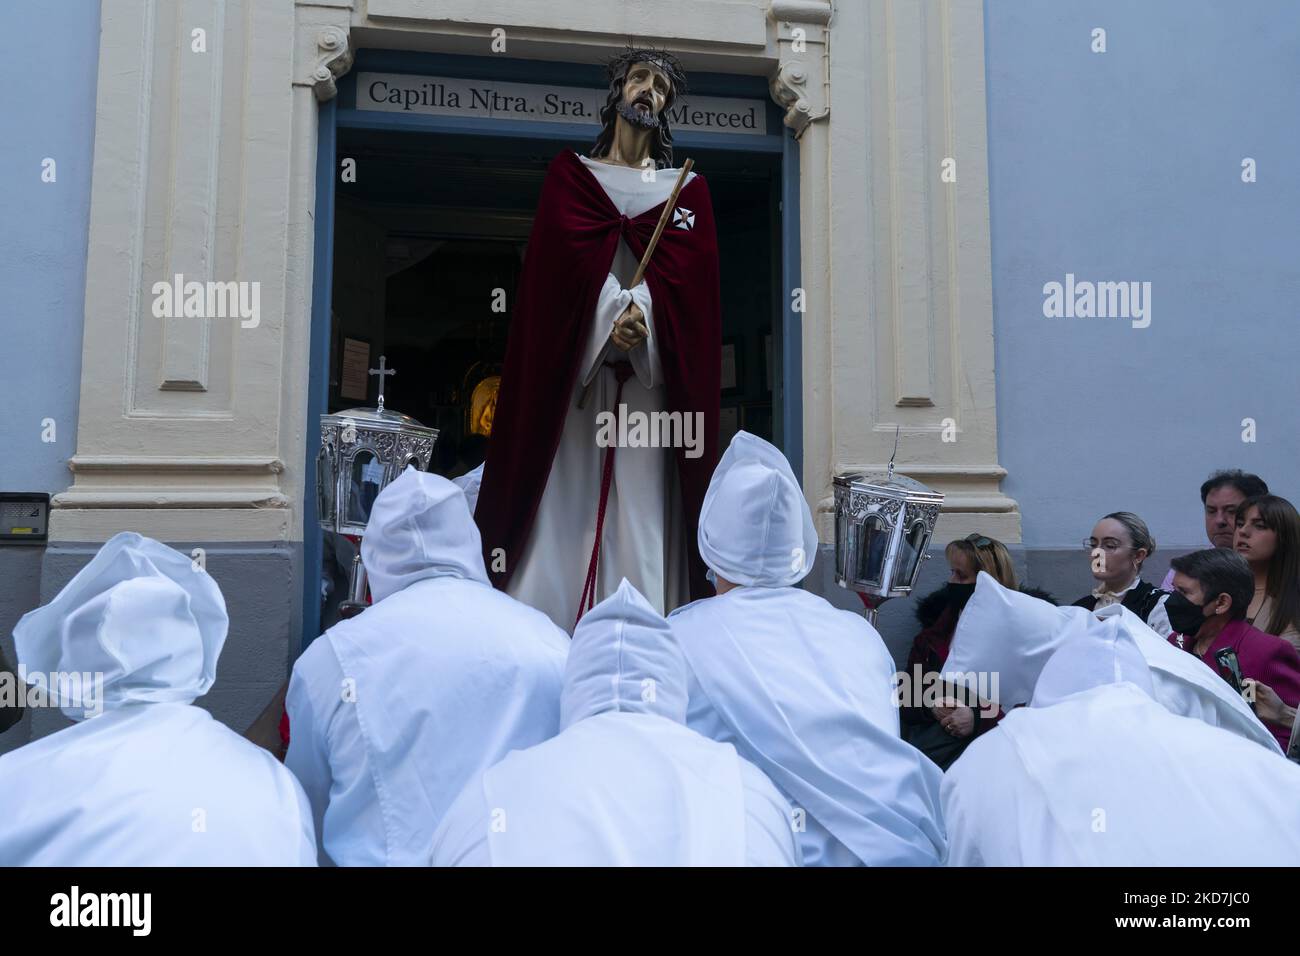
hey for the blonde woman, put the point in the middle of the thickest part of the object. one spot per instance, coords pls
(1120, 542)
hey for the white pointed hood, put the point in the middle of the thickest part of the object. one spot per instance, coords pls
(1012, 636)
(617, 787)
(623, 658)
(1094, 653)
(755, 526)
(143, 615)
(1095, 772)
(420, 527)
(470, 482)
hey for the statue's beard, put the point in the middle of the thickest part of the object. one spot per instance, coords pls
(636, 117)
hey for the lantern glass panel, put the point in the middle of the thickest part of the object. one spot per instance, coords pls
(325, 483)
(909, 553)
(366, 478)
(873, 539)
(841, 553)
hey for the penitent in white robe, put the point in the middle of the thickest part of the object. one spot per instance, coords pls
(625, 783)
(151, 785)
(1011, 636)
(143, 778)
(392, 711)
(801, 689)
(1096, 772)
(643, 538)
(1110, 778)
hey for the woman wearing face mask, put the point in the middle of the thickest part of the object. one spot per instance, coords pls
(1120, 542)
(943, 732)
(1268, 537)
(1207, 611)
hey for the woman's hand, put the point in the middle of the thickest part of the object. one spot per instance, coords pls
(957, 720)
(1268, 706)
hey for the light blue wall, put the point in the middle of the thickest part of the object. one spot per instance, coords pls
(47, 101)
(1127, 165)
(47, 109)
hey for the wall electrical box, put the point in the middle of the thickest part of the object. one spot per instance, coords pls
(24, 517)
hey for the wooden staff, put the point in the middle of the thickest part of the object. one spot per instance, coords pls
(669, 206)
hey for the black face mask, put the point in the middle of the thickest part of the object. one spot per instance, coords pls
(1185, 617)
(959, 594)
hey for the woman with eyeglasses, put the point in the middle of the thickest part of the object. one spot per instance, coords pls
(1120, 542)
(943, 732)
(1268, 537)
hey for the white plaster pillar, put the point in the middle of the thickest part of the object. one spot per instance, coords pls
(899, 327)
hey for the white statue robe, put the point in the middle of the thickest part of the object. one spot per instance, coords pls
(643, 537)
(151, 785)
(1109, 777)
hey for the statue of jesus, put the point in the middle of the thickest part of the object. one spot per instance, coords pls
(565, 513)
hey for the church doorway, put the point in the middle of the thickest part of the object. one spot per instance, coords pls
(426, 243)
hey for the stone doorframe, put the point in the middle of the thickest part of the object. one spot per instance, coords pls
(205, 166)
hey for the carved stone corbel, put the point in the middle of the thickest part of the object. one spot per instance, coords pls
(335, 59)
(789, 88)
(801, 78)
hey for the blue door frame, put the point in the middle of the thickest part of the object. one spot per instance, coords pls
(341, 112)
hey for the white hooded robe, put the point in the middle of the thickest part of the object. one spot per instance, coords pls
(144, 778)
(625, 783)
(801, 689)
(1012, 635)
(470, 482)
(1095, 772)
(392, 712)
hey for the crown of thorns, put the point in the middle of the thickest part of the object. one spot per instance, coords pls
(672, 67)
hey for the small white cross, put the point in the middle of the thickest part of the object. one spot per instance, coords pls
(683, 218)
(382, 371)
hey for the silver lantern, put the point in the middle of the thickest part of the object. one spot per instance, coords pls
(361, 451)
(883, 525)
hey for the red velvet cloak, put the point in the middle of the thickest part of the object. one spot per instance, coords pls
(575, 236)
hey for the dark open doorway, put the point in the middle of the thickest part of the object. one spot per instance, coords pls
(469, 183)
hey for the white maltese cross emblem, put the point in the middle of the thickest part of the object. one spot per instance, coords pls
(683, 218)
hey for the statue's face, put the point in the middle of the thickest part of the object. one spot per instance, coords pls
(645, 93)
(483, 405)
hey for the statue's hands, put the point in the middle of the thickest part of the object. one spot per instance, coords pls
(630, 329)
